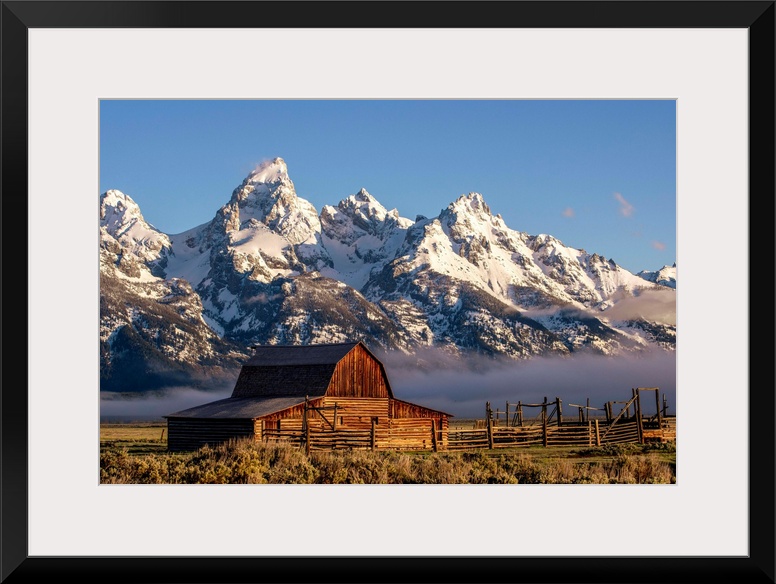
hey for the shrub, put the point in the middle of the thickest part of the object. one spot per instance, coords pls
(244, 461)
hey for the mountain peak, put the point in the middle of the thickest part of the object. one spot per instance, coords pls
(364, 196)
(363, 209)
(268, 171)
(467, 211)
(117, 208)
(122, 222)
(269, 180)
(112, 196)
(472, 201)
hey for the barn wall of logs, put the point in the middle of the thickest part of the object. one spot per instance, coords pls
(184, 434)
(358, 423)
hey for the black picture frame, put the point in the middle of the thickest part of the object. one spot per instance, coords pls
(756, 16)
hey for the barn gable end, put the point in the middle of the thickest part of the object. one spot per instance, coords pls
(359, 374)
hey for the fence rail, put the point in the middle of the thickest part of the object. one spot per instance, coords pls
(593, 433)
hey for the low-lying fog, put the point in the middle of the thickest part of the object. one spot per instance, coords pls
(436, 380)
(463, 390)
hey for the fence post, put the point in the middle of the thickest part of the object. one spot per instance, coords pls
(306, 427)
(520, 413)
(372, 436)
(434, 435)
(597, 434)
(544, 431)
(637, 407)
(506, 416)
(657, 403)
(489, 420)
(560, 411)
(589, 432)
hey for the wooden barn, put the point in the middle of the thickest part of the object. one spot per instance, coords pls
(332, 396)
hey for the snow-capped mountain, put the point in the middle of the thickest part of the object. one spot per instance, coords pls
(360, 236)
(481, 285)
(141, 249)
(269, 269)
(152, 331)
(665, 276)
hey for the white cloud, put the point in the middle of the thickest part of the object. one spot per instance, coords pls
(655, 305)
(626, 209)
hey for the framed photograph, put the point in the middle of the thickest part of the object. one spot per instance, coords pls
(64, 64)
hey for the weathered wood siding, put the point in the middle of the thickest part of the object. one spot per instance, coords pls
(354, 422)
(291, 413)
(358, 374)
(405, 434)
(357, 413)
(352, 413)
(403, 409)
(185, 434)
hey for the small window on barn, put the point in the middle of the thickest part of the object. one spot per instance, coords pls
(376, 420)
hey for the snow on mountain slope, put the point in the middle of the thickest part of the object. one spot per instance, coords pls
(266, 241)
(268, 269)
(140, 249)
(466, 242)
(264, 230)
(152, 331)
(360, 235)
(665, 276)
(467, 253)
(268, 196)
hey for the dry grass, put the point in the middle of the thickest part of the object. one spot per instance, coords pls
(243, 461)
(135, 438)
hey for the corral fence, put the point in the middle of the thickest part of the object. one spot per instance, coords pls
(388, 434)
(593, 433)
(376, 438)
(518, 424)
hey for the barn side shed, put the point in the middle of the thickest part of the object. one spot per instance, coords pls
(324, 396)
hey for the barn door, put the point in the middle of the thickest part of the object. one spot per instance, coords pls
(326, 413)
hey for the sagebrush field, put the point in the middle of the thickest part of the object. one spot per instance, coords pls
(136, 453)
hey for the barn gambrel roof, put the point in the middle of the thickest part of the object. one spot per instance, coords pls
(293, 355)
(286, 371)
(278, 377)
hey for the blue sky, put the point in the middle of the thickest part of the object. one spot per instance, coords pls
(596, 174)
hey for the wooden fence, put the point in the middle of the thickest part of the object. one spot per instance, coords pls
(397, 436)
(508, 429)
(592, 433)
